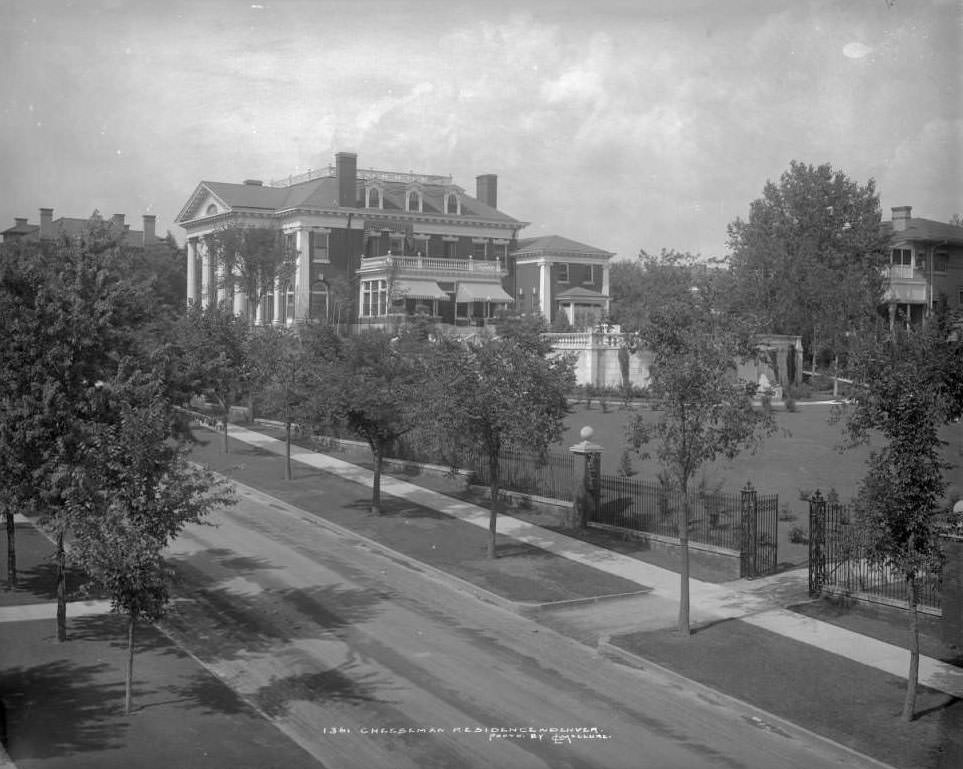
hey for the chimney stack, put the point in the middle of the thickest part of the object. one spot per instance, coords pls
(20, 222)
(486, 189)
(46, 222)
(150, 232)
(901, 217)
(346, 169)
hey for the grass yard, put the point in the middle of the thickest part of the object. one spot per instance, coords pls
(802, 456)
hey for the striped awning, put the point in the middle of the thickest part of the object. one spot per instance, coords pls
(481, 292)
(419, 289)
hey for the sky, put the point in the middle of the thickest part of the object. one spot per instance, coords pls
(623, 124)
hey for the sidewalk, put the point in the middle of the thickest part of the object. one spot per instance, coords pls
(758, 602)
(795, 670)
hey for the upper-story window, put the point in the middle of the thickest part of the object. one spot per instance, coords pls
(478, 250)
(901, 257)
(452, 203)
(373, 197)
(319, 247)
(211, 210)
(591, 275)
(413, 201)
(941, 261)
(562, 272)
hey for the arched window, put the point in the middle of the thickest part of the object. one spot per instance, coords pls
(374, 197)
(451, 204)
(319, 300)
(211, 210)
(414, 201)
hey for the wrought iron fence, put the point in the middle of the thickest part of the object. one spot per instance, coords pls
(549, 476)
(839, 558)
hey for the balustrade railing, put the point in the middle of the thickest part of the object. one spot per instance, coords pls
(431, 264)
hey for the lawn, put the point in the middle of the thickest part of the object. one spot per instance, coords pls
(802, 456)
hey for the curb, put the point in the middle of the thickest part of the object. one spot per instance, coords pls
(762, 718)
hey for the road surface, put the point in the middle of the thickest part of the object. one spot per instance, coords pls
(366, 661)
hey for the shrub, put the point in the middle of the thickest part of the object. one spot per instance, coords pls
(789, 403)
(798, 535)
(785, 514)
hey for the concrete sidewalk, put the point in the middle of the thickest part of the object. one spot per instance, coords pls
(759, 602)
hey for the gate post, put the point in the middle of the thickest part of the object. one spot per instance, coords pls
(587, 481)
(749, 518)
(817, 543)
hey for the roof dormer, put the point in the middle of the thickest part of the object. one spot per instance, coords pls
(414, 199)
(452, 203)
(374, 195)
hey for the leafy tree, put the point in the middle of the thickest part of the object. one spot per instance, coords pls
(70, 312)
(495, 395)
(809, 258)
(211, 357)
(251, 259)
(703, 412)
(281, 375)
(911, 384)
(138, 493)
(373, 389)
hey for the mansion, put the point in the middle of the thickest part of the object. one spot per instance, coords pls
(373, 247)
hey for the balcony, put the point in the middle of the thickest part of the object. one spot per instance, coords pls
(437, 268)
(907, 285)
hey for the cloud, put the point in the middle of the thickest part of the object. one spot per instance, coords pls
(856, 50)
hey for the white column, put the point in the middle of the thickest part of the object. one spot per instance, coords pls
(302, 283)
(545, 289)
(259, 311)
(278, 318)
(240, 302)
(205, 277)
(221, 284)
(605, 287)
(191, 271)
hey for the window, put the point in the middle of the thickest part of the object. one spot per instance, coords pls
(211, 210)
(267, 307)
(289, 302)
(901, 257)
(413, 201)
(592, 274)
(562, 272)
(941, 261)
(535, 307)
(374, 197)
(452, 205)
(478, 250)
(318, 308)
(451, 249)
(319, 246)
(374, 298)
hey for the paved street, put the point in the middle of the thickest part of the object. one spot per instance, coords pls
(335, 643)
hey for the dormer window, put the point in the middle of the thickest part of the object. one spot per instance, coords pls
(452, 203)
(373, 197)
(413, 201)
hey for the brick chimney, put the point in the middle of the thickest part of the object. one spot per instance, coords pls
(486, 189)
(20, 222)
(346, 170)
(46, 222)
(150, 233)
(901, 217)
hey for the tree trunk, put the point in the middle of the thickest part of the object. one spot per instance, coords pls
(684, 628)
(227, 449)
(835, 377)
(61, 588)
(11, 549)
(128, 686)
(376, 484)
(493, 516)
(912, 679)
(287, 456)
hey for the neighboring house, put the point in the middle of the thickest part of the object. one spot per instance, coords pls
(555, 275)
(74, 227)
(402, 244)
(926, 267)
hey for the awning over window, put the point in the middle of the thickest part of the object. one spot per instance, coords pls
(419, 289)
(481, 292)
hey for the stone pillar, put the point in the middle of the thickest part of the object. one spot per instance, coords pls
(586, 486)
(240, 302)
(221, 283)
(206, 290)
(951, 596)
(606, 287)
(191, 271)
(302, 280)
(545, 289)
(278, 318)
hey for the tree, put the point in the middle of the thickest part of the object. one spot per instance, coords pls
(70, 312)
(809, 258)
(499, 394)
(703, 412)
(212, 356)
(138, 493)
(280, 373)
(373, 389)
(251, 259)
(910, 384)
